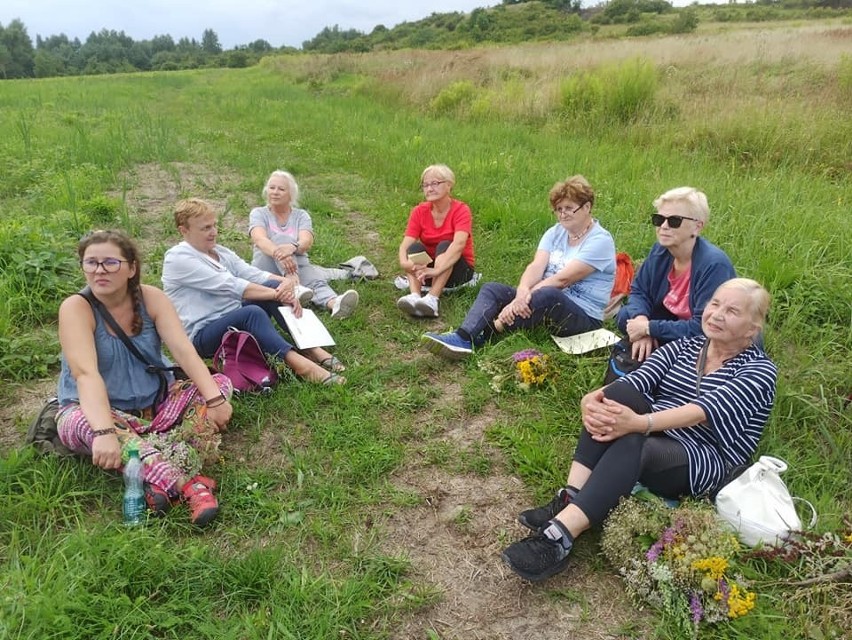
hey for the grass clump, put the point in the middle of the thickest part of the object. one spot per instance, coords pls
(616, 93)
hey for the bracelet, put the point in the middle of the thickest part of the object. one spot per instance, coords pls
(102, 432)
(650, 424)
(216, 401)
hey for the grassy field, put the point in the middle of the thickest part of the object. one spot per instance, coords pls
(327, 493)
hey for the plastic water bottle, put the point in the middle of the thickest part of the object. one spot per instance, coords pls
(134, 497)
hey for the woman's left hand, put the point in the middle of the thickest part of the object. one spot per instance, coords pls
(220, 415)
(638, 328)
(610, 420)
(287, 265)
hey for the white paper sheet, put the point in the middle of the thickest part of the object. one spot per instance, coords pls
(307, 331)
(585, 342)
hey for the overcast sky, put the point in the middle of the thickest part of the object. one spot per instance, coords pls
(280, 22)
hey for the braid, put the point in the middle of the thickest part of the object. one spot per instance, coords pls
(129, 252)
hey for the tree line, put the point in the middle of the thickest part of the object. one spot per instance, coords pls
(510, 22)
(109, 51)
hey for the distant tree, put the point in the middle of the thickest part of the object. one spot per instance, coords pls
(5, 57)
(210, 42)
(260, 46)
(19, 62)
(162, 43)
(185, 45)
(48, 64)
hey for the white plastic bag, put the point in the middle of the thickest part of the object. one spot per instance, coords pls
(758, 505)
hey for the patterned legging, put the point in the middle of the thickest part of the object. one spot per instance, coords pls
(174, 445)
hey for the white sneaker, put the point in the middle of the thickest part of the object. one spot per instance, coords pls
(427, 306)
(344, 305)
(304, 295)
(408, 304)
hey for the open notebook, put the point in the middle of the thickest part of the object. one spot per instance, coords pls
(585, 342)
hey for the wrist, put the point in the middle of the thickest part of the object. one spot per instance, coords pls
(216, 401)
(97, 433)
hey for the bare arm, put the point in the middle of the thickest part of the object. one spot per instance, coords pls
(448, 259)
(77, 339)
(573, 271)
(404, 246)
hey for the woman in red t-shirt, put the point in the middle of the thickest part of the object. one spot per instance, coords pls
(441, 229)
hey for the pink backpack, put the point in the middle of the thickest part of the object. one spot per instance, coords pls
(240, 358)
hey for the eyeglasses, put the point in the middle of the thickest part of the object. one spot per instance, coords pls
(431, 185)
(110, 265)
(561, 211)
(674, 221)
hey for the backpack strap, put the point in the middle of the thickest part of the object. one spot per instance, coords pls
(157, 370)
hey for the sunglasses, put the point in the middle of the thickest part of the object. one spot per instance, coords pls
(674, 221)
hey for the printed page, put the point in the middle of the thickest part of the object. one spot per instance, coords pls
(307, 331)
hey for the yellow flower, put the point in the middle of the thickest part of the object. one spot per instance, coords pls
(713, 566)
(740, 604)
(848, 538)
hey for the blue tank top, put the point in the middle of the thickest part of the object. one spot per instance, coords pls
(128, 385)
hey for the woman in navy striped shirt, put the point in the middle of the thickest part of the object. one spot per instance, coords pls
(695, 409)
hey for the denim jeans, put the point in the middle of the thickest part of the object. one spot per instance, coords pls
(550, 307)
(255, 316)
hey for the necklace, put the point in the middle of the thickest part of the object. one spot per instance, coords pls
(585, 231)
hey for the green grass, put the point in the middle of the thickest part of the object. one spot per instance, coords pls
(306, 481)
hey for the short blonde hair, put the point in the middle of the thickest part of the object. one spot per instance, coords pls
(758, 297)
(576, 189)
(191, 208)
(695, 201)
(443, 172)
(291, 185)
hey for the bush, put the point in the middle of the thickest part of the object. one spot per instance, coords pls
(617, 93)
(451, 98)
(685, 22)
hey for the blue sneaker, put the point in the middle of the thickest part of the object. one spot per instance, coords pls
(448, 345)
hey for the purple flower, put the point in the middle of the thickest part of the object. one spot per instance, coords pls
(655, 551)
(526, 354)
(695, 607)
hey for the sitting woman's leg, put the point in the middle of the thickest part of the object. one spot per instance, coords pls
(478, 324)
(460, 272)
(563, 317)
(253, 319)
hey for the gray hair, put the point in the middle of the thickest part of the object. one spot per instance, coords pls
(758, 297)
(291, 185)
(442, 171)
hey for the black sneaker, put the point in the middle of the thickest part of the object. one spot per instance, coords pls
(537, 557)
(536, 518)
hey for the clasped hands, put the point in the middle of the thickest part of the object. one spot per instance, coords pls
(285, 293)
(517, 308)
(606, 420)
(283, 255)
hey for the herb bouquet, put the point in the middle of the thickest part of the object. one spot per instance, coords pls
(681, 561)
(529, 368)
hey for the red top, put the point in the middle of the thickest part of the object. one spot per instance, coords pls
(421, 225)
(677, 299)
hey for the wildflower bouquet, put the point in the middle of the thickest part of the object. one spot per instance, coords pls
(529, 368)
(681, 561)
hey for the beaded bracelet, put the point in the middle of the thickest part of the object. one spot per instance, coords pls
(216, 402)
(650, 424)
(103, 432)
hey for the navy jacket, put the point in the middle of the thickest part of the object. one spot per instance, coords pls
(710, 268)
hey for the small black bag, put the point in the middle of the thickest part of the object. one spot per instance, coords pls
(43, 434)
(620, 361)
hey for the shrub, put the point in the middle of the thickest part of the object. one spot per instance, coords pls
(451, 98)
(613, 93)
(686, 21)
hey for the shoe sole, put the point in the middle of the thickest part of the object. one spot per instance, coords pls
(348, 302)
(444, 350)
(406, 306)
(559, 567)
(425, 310)
(206, 517)
(305, 297)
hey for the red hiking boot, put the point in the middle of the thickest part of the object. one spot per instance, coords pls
(158, 501)
(198, 494)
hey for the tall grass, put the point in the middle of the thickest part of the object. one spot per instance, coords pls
(307, 476)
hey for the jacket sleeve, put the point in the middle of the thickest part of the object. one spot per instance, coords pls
(640, 302)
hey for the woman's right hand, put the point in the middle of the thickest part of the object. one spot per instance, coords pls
(106, 452)
(642, 348)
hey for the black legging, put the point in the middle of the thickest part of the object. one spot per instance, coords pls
(658, 462)
(462, 272)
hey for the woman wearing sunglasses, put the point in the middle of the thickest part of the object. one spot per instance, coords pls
(677, 278)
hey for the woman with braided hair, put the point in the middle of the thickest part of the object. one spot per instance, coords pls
(108, 397)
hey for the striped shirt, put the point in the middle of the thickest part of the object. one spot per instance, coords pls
(736, 399)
